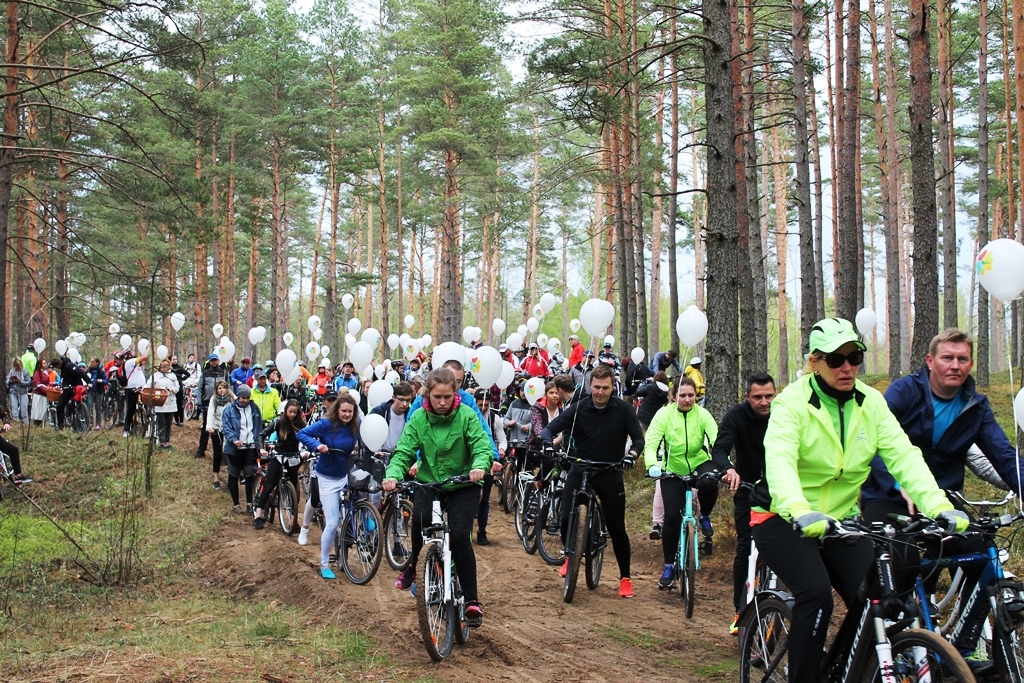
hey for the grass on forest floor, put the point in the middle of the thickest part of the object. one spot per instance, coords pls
(164, 621)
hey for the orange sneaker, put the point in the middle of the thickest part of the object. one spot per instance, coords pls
(564, 569)
(625, 588)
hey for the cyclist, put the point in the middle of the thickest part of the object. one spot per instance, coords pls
(336, 439)
(395, 411)
(265, 397)
(693, 372)
(97, 387)
(455, 367)
(346, 378)
(597, 428)
(609, 357)
(824, 430)
(687, 431)
(213, 374)
(222, 396)
(654, 396)
(241, 423)
(665, 360)
(70, 378)
(242, 374)
(742, 428)
(491, 420)
(580, 375)
(296, 391)
(634, 374)
(451, 441)
(29, 359)
(286, 427)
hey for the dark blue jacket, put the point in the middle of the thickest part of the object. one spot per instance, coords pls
(910, 400)
(231, 425)
(337, 438)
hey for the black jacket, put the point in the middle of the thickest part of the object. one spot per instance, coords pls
(70, 375)
(208, 380)
(743, 429)
(654, 399)
(597, 434)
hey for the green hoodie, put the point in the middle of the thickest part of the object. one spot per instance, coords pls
(449, 445)
(810, 466)
(684, 435)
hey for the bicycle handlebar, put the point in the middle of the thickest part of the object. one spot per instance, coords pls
(410, 485)
(692, 476)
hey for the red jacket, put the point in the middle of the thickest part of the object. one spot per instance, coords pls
(536, 366)
(576, 355)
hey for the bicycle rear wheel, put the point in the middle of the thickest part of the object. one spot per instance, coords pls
(437, 618)
(687, 566)
(595, 546)
(575, 544)
(360, 550)
(510, 485)
(919, 654)
(398, 534)
(79, 418)
(534, 499)
(287, 506)
(547, 531)
(109, 412)
(764, 643)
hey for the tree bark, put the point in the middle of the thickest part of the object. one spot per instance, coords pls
(981, 367)
(808, 289)
(945, 180)
(673, 188)
(885, 130)
(847, 253)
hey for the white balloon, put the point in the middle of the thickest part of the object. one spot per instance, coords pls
(1018, 409)
(126, 342)
(371, 337)
(325, 350)
(254, 336)
(542, 341)
(498, 326)
(533, 390)
(404, 339)
(143, 346)
(537, 311)
(313, 323)
(594, 316)
(262, 332)
(692, 326)
(79, 339)
(285, 362)
(514, 341)
(380, 370)
(508, 373)
(446, 352)
(218, 330)
(468, 335)
(865, 320)
(523, 330)
(637, 355)
(1000, 268)
(74, 355)
(318, 334)
(392, 377)
(409, 321)
(367, 373)
(393, 341)
(548, 301)
(291, 375)
(161, 352)
(373, 429)
(609, 339)
(350, 341)
(40, 344)
(532, 324)
(354, 325)
(224, 339)
(326, 362)
(380, 391)
(61, 347)
(485, 364)
(177, 321)
(554, 345)
(312, 350)
(361, 355)
(288, 338)
(226, 350)
(411, 348)
(113, 329)
(426, 340)
(574, 325)
(347, 300)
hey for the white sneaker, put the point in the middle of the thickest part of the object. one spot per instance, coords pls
(124, 435)
(303, 536)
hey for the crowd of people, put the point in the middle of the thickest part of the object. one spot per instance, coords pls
(826, 447)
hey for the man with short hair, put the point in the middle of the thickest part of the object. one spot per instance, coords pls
(29, 360)
(597, 428)
(575, 350)
(394, 412)
(347, 378)
(242, 374)
(580, 375)
(608, 357)
(693, 372)
(265, 397)
(663, 360)
(742, 429)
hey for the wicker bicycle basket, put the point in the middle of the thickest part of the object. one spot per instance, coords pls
(53, 393)
(153, 396)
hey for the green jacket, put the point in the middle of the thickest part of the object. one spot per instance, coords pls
(684, 435)
(449, 445)
(269, 402)
(817, 455)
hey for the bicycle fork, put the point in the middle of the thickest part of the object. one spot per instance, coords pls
(437, 520)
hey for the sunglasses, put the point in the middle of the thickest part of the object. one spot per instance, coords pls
(835, 360)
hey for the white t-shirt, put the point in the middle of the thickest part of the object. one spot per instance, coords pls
(136, 376)
(395, 427)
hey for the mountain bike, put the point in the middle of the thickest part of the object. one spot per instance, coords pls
(283, 497)
(525, 508)
(358, 542)
(586, 537)
(885, 645)
(396, 516)
(688, 551)
(439, 601)
(191, 401)
(544, 524)
(112, 408)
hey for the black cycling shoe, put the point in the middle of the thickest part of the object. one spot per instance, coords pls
(258, 523)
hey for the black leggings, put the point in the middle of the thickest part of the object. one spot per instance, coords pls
(131, 398)
(66, 397)
(673, 493)
(11, 451)
(741, 516)
(612, 493)
(810, 571)
(179, 414)
(241, 462)
(483, 512)
(461, 505)
(217, 439)
(272, 477)
(163, 427)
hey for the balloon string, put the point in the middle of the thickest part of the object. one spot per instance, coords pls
(1016, 428)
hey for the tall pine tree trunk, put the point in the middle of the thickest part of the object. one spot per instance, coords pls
(981, 367)
(808, 289)
(946, 184)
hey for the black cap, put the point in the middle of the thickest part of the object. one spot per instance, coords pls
(331, 395)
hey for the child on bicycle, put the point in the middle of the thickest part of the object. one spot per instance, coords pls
(283, 430)
(685, 427)
(451, 441)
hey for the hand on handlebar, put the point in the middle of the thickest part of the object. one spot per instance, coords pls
(476, 475)
(263, 452)
(813, 524)
(629, 461)
(732, 478)
(496, 467)
(388, 485)
(322, 448)
(654, 471)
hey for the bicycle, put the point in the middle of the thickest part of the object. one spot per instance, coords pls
(7, 474)
(526, 487)
(283, 497)
(191, 401)
(440, 604)
(586, 537)
(886, 645)
(396, 515)
(546, 528)
(688, 552)
(112, 409)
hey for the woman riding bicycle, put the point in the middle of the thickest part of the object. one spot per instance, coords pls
(824, 430)
(689, 432)
(451, 441)
(286, 426)
(335, 438)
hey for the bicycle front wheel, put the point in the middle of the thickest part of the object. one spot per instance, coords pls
(575, 544)
(918, 655)
(595, 546)
(287, 506)
(687, 566)
(1008, 654)
(764, 643)
(547, 531)
(437, 617)
(510, 484)
(360, 551)
(398, 534)
(461, 624)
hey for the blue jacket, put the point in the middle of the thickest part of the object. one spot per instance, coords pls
(240, 376)
(231, 425)
(324, 432)
(910, 400)
(351, 383)
(660, 363)
(467, 400)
